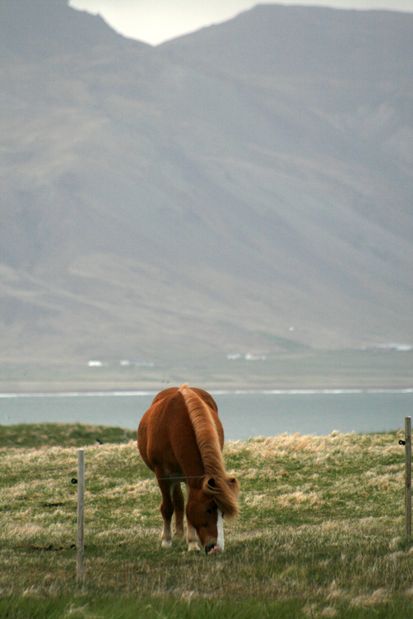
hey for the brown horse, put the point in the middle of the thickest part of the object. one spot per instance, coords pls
(180, 438)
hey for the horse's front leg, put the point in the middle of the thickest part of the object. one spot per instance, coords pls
(167, 509)
(192, 538)
(191, 534)
(179, 505)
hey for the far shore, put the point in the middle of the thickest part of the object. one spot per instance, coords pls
(72, 387)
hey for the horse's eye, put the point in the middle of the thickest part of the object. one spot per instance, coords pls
(210, 511)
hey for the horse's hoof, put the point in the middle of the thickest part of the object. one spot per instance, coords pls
(166, 543)
(212, 549)
(193, 547)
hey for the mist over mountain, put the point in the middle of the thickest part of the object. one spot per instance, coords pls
(245, 187)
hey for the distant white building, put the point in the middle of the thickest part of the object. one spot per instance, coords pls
(249, 356)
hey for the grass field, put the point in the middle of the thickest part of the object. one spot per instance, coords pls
(321, 531)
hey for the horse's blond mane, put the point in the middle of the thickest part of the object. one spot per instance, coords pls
(207, 439)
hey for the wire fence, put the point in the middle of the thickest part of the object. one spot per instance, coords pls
(75, 476)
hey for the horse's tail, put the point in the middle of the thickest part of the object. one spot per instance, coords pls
(224, 489)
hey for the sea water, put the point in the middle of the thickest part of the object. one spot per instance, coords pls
(244, 413)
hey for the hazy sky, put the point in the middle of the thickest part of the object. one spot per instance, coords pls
(154, 21)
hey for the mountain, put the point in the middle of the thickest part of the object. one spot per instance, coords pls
(45, 29)
(245, 187)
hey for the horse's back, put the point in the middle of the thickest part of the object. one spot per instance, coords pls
(171, 391)
(166, 436)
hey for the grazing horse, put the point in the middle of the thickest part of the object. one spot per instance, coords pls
(181, 438)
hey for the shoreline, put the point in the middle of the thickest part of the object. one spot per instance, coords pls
(318, 370)
(282, 384)
(46, 393)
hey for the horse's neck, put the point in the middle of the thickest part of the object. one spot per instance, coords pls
(203, 422)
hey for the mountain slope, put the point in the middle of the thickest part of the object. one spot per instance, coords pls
(233, 189)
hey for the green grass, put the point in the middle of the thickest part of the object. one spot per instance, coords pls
(321, 533)
(65, 435)
(147, 608)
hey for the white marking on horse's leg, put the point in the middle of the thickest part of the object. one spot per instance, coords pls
(166, 535)
(220, 529)
(192, 537)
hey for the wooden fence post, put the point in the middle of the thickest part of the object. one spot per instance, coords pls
(408, 440)
(80, 542)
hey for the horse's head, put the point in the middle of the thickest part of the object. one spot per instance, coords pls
(206, 508)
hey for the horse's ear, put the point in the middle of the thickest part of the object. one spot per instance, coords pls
(233, 483)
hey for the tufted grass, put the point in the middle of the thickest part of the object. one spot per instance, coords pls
(321, 534)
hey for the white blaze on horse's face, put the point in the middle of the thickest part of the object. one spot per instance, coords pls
(220, 543)
(220, 528)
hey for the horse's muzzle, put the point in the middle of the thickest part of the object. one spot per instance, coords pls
(211, 549)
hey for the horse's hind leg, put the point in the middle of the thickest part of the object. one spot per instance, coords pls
(178, 500)
(167, 509)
